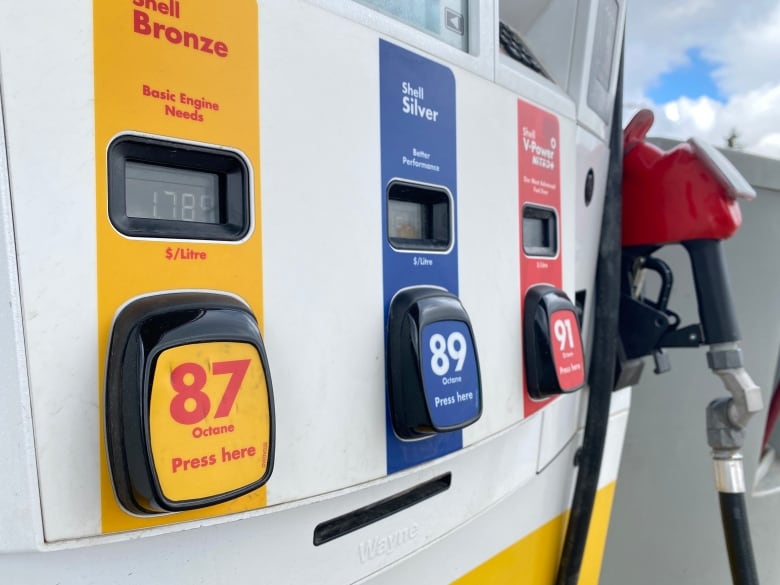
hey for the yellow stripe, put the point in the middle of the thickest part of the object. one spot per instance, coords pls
(535, 558)
(130, 62)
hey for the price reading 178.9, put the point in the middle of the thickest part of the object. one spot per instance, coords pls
(156, 192)
(184, 206)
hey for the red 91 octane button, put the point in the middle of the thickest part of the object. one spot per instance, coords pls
(552, 345)
(567, 350)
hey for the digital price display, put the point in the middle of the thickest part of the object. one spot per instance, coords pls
(540, 231)
(446, 20)
(189, 405)
(164, 189)
(419, 217)
(154, 192)
(405, 220)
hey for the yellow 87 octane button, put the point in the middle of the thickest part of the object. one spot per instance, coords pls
(189, 406)
(209, 422)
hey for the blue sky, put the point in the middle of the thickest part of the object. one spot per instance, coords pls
(705, 68)
(692, 79)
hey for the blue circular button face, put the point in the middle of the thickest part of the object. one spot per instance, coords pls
(450, 374)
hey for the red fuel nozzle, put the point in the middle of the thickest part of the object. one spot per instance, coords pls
(687, 193)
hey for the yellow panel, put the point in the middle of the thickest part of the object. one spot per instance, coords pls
(186, 69)
(535, 558)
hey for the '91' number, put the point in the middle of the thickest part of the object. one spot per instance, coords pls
(453, 348)
(563, 334)
(191, 404)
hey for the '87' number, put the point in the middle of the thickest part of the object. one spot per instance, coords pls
(189, 379)
(444, 350)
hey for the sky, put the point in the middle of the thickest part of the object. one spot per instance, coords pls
(706, 68)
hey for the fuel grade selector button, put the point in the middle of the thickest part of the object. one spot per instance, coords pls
(433, 369)
(554, 360)
(189, 406)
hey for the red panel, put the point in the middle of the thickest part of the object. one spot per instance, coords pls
(539, 177)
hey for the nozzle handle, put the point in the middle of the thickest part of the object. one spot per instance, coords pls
(713, 291)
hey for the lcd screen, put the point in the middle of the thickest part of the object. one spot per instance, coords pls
(536, 232)
(419, 217)
(405, 220)
(157, 192)
(539, 231)
(446, 20)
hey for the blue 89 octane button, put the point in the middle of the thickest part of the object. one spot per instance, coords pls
(450, 374)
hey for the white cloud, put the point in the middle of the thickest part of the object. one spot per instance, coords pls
(658, 33)
(754, 115)
(672, 112)
(743, 38)
(768, 145)
(749, 54)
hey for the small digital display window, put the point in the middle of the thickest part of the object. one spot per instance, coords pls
(540, 233)
(405, 220)
(418, 217)
(154, 192)
(446, 20)
(167, 189)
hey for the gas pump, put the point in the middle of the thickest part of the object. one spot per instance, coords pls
(689, 196)
(291, 307)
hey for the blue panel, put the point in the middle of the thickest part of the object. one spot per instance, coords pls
(417, 101)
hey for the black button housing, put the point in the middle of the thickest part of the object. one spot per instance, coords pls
(142, 331)
(432, 365)
(553, 365)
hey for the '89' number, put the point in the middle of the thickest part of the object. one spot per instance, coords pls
(452, 348)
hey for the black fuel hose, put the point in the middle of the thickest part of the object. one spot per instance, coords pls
(738, 544)
(602, 369)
